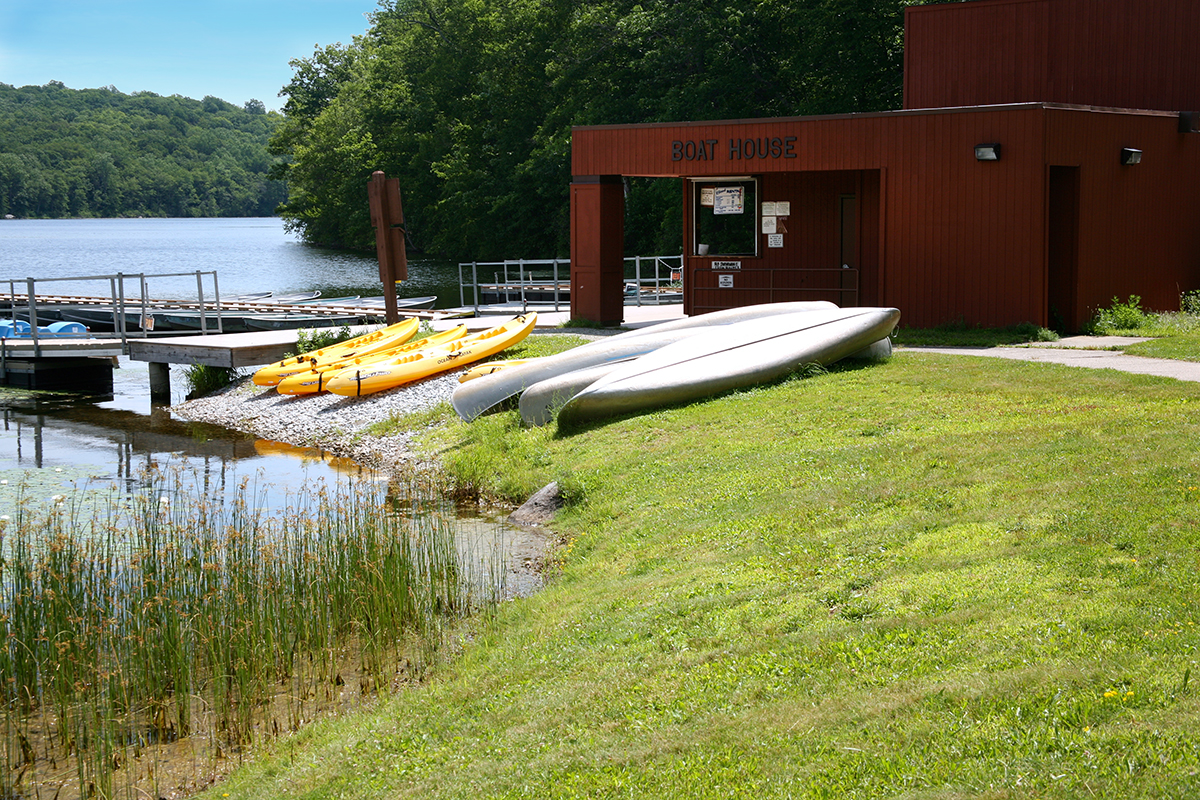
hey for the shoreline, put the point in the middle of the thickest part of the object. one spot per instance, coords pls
(333, 423)
(338, 425)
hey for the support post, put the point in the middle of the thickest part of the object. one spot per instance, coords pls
(598, 249)
(387, 217)
(160, 382)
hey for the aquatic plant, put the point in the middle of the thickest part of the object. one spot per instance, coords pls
(128, 622)
(203, 379)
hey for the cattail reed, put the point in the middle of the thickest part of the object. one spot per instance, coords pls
(128, 622)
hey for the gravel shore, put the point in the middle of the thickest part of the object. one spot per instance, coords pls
(331, 422)
(323, 420)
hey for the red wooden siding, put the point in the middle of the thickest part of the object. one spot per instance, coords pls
(1138, 231)
(1116, 53)
(941, 236)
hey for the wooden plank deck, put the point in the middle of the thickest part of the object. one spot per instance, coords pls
(232, 350)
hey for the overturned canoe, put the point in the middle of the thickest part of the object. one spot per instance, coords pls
(474, 397)
(739, 355)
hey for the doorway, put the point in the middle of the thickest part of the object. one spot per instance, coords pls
(1062, 253)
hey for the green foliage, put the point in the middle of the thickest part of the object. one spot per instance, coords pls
(101, 153)
(308, 340)
(203, 379)
(470, 104)
(1121, 316)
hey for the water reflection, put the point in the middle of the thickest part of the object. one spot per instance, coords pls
(75, 440)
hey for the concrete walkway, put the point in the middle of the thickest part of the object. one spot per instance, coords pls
(1089, 352)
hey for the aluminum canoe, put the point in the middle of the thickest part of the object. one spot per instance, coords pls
(740, 355)
(475, 397)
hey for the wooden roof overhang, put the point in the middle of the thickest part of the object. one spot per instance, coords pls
(798, 144)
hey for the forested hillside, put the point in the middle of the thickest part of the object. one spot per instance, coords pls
(471, 102)
(101, 153)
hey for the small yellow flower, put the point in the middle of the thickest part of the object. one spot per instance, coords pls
(1129, 694)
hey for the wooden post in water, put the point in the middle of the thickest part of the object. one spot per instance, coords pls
(387, 217)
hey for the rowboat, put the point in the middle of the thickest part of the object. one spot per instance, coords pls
(389, 373)
(188, 320)
(473, 398)
(374, 342)
(104, 318)
(403, 303)
(317, 378)
(280, 322)
(739, 355)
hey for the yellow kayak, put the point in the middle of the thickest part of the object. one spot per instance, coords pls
(479, 370)
(316, 378)
(388, 373)
(368, 343)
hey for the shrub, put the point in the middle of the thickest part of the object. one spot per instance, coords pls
(315, 339)
(203, 379)
(1189, 302)
(1120, 316)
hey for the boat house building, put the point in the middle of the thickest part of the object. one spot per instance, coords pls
(1046, 159)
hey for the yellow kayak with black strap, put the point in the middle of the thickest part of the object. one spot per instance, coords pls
(373, 342)
(479, 370)
(388, 373)
(316, 379)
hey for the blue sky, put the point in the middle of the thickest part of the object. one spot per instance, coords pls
(232, 50)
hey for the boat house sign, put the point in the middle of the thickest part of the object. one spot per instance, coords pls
(738, 149)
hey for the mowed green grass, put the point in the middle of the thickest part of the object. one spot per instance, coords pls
(1184, 347)
(938, 577)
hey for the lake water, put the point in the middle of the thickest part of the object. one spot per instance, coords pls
(249, 255)
(51, 442)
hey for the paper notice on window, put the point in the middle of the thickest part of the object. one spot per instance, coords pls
(706, 196)
(768, 225)
(729, 200)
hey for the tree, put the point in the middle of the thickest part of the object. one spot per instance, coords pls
(471, 102)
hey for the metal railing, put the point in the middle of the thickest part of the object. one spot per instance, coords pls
(120, 299)
(649, 280)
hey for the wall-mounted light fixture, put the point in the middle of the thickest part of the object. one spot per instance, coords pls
(1129, 156)
(987, 152)
(1189, 121)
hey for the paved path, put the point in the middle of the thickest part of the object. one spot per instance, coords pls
(1081, 351)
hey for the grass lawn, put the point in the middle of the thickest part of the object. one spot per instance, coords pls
(1185, 347)
(939, 577)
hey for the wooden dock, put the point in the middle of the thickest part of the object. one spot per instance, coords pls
(230, 350)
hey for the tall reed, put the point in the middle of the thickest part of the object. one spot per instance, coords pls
(130, 621)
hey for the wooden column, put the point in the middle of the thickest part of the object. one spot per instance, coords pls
(160, 382)
(387, 217)
(598, 249)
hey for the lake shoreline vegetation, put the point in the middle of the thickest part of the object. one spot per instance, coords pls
(823, 560)
(99, 153)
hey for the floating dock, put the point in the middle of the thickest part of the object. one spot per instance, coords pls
(57, 364)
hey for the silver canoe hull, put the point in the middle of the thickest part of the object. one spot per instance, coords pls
(740, 355)
(540, 402)
(475, 397)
